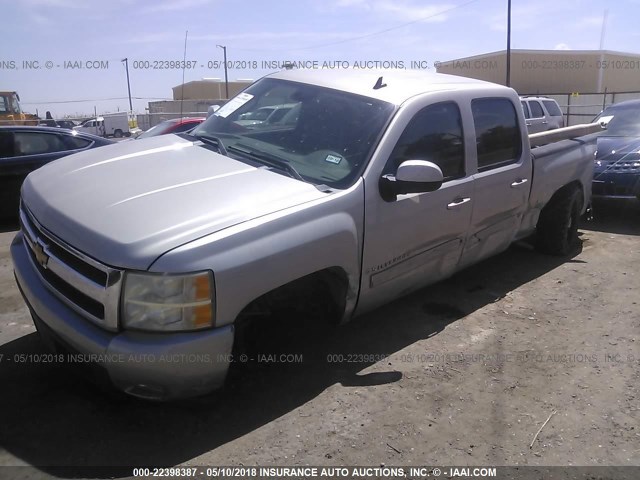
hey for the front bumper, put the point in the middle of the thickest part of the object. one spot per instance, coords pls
(616, 185)
(157, 366)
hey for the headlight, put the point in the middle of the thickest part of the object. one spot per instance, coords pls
(168, 303)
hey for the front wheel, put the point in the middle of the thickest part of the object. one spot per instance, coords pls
(557, 230)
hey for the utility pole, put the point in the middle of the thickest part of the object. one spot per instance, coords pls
(508, 83)
(226, 78)
(126, 65)
(601, 70)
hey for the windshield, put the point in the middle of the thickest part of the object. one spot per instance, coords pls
(621, 122)
(326, 135)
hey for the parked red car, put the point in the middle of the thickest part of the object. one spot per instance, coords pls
(175, 125)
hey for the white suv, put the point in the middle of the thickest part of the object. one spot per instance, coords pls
(541, 114)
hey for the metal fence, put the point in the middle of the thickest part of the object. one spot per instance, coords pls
(583, 107)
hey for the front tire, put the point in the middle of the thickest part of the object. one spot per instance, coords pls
(557, 230)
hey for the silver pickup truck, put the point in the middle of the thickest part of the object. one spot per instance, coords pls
(143, 256)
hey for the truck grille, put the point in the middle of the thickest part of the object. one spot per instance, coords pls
(623, 167)
(84, 284)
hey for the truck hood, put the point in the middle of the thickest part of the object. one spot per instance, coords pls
(611, 149)
(128, 203)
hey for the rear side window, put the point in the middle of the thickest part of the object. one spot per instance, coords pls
(498, 138)
(552, 108)
(76, 143)
(433, 134)
(33, 143)
(536, 109)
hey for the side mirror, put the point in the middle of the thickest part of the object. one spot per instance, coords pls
(413, 176)
(604, 121)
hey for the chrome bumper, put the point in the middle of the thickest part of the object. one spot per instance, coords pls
(157, 366)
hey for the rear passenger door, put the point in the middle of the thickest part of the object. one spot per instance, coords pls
(536, 122)
(502, 180)
(33, 149)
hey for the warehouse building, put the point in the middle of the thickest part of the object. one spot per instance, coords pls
(208, 88)
(191, 99)
(582, 81)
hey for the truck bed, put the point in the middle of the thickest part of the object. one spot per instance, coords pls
(554, 166)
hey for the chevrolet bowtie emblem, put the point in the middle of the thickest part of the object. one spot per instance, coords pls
(41, 257)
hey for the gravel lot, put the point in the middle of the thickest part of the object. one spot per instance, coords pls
(461, 373)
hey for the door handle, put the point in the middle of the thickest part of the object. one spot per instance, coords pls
(520, 181)
(528, 124)
(545, 122)
(457, 202)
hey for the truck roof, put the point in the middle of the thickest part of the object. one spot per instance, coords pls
(400, 85)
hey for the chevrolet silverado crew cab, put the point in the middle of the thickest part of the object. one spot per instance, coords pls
(377, 184)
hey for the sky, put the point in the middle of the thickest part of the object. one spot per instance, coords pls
(65, 55)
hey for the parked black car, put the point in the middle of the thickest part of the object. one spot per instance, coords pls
(617, 163)
(24, 149)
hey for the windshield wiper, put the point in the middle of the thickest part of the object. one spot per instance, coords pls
(269, 160)
(213, 141)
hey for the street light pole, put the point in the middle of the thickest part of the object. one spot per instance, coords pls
(226, 78)
(126, 64)
(508, 83)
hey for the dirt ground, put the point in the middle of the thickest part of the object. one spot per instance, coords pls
(461, 373)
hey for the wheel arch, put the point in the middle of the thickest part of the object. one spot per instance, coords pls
(332, 283)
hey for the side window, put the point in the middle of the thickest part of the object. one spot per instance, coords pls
(552, 108)
(75, 143)
(536, 109)
(525, 109)
(434, 134)
(7, 148)
(15, 106)
(32, 143)
(498, 138)
(3, 104)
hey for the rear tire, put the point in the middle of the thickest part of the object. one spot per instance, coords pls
(117, 133)
(557, 230)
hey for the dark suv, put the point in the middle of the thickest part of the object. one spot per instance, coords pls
(617, 165)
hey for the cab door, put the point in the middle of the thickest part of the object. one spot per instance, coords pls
(416, 239)
(502, 181)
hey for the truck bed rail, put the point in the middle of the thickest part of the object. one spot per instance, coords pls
(544, 138)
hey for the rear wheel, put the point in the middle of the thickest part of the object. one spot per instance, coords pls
(117, 133)
(557, 230)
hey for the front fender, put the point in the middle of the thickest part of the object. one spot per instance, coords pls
(255, 257)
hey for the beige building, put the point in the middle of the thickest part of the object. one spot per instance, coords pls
(554, 71)
(191, 100)
(211, 89)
